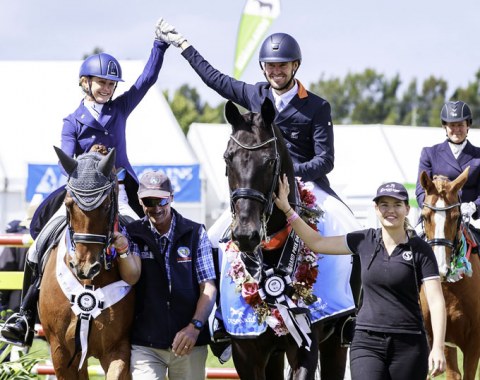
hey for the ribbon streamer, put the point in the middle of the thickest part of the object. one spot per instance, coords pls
(297, 321)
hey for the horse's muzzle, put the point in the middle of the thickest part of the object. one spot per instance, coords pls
(87, 272)
(246, 239)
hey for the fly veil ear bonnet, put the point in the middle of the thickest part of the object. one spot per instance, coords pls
(90, 177)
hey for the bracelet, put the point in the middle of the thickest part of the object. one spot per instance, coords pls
(292, 218)
(122, 249)
(286, 212)
(124, 255)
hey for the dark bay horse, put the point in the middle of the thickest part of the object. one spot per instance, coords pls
(266, 260)
(445, 231)
(85, 308)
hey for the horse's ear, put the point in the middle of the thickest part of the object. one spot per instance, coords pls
(458, 183)
(426, 182)
(69, 164)
(232, 114)
(268, 111)
(105, 166)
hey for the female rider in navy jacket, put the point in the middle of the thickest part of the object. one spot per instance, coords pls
(98, 121)
(453, 156)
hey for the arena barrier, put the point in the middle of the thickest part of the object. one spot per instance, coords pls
(96, 370)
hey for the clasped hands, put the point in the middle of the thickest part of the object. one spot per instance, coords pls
(167, 33)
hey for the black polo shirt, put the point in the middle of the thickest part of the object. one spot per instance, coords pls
(390, 296)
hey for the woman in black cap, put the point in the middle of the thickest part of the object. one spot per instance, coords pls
(390, 340)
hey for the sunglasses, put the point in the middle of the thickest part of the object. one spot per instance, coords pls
(154, 202)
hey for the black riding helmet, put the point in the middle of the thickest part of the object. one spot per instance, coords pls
(456, 111)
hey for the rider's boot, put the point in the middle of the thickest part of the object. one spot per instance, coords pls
(220, 334)
(221, 342)
(19, 328)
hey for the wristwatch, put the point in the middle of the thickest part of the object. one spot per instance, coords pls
(197, 324)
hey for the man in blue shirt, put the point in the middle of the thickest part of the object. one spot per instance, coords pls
(176, 291)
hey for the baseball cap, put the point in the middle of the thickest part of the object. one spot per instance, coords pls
(392, 189)
(154, 184)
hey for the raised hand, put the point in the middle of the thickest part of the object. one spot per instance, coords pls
(167, 33)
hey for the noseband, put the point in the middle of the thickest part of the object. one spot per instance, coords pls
(248, 193)
(445, 242)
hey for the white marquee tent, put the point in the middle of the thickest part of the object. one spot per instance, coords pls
(37, 95)
(365, 157)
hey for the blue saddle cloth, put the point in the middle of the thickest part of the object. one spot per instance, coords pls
(332, 289)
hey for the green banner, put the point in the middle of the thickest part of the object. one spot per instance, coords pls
(412, 199)
(257, 17)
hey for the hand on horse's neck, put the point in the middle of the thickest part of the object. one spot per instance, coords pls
(392, 238)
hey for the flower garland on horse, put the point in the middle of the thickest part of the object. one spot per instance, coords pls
(305, 276)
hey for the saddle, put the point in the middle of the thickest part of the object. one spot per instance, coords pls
(472, 236)
(48, 239)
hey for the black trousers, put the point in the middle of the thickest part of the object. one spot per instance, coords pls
(385, 356)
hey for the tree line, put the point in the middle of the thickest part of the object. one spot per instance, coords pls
(368, 97)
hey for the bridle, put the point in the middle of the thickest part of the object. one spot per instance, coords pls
(445, 242)
(265, 199)
(87, 238)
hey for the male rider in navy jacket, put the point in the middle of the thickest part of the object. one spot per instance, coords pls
(306, 124)
(304, 118)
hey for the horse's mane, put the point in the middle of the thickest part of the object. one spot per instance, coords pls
(285, 154)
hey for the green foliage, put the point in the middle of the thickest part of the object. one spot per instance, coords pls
(19, 369)
(367, 97)
(188, 108)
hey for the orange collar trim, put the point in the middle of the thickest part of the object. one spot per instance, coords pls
(302, 92)
(278, 239)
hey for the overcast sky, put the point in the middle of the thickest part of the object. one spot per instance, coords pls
(413, 38)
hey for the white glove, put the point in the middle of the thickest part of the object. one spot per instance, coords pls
(468, 209)
(167, 33)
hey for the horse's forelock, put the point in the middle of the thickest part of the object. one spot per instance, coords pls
(87, 184)
(443, 187)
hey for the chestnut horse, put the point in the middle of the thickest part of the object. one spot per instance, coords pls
(85, 308)
(443, 227)
(263, 261)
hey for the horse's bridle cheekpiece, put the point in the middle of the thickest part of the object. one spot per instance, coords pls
(245, 192)
(453, 245)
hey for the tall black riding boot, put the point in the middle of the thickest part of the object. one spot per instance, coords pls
(221, 342)
(19, 328)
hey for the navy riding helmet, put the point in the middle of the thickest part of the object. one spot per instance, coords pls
(101, 65)
(456, 111)
(280, 47)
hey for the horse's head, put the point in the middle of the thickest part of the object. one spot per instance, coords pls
(442, 217)
(91, 204)
(256, 155)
